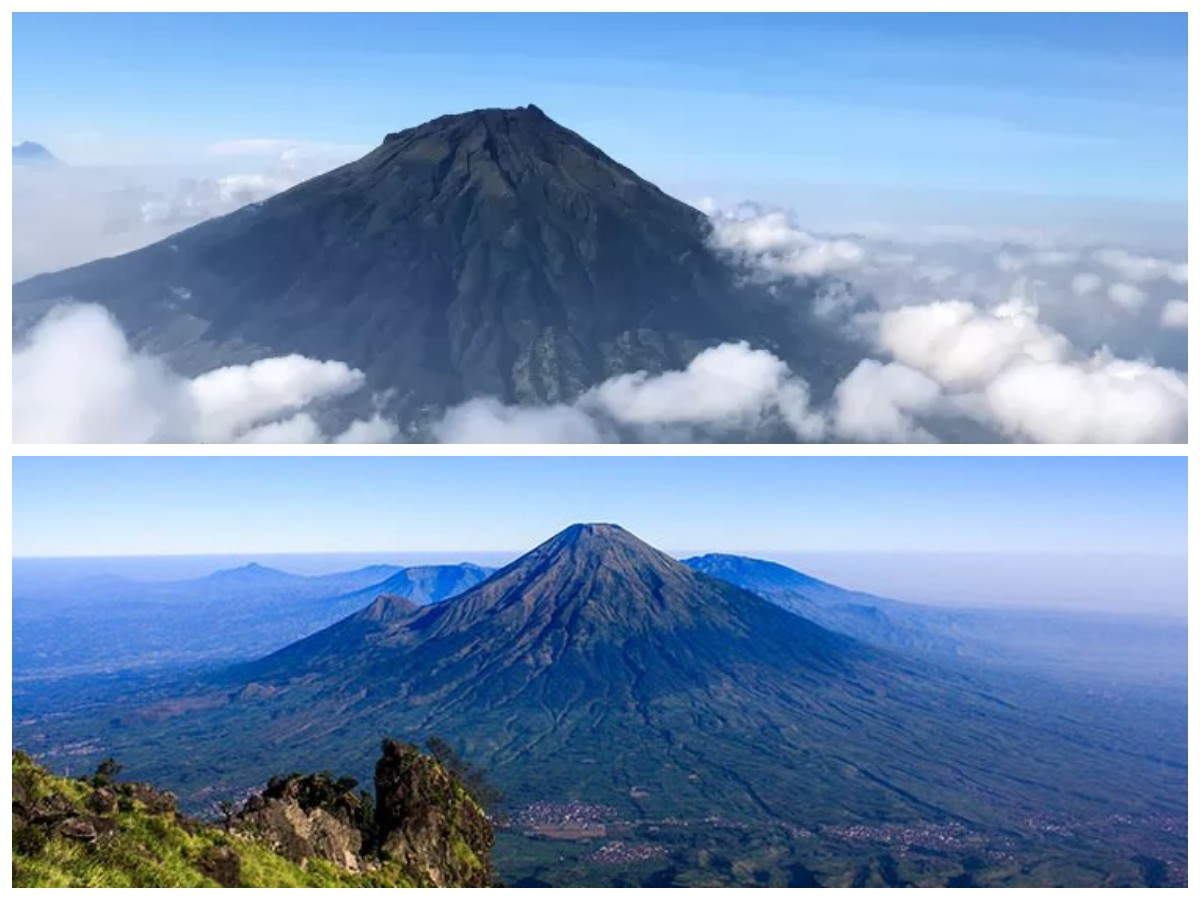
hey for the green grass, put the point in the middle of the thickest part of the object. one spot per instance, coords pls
(156, 850)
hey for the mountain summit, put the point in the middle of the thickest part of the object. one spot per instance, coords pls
(590, 600)
(594, 587)
(494, 252)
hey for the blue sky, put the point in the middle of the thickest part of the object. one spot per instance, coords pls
(1010, 505)
(1054, 106)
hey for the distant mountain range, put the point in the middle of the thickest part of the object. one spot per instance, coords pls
(1077, 645)
(109, 624)
(489, 253)
(420, 585)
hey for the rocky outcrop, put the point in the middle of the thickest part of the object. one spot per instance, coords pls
(427, 821)
(39, 815)
(306, 817)
(97, 832)
(423, 820)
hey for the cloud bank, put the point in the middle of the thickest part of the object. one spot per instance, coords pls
(1011, 342)
(971, 339)
(77, 380)
(66, 215)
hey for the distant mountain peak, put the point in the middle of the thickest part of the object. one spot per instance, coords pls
(736, 570)
(250, 570)
(388, 608)
(32, 152)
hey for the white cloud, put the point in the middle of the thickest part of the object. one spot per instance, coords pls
(976, 317)
(1101, 400)
(68, 215)
(1136, 267)
(76, 380)
(1086, 283)
(1014, 373)
(299, 429)
(375, 430)
(730, 384)
(1055, 258)
(730, 389)
(1175, 315)
(231, 400)
(1010, 263)
(1127, 296)
(961, 346)
(485, 420)
(794, 403)
(778, 249)
(879, 402)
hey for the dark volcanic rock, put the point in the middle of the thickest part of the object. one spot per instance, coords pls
(423, 819)
(156, 802)
(53, 809)
(489, 253)
(307, 817)
(103, 801)
(21, 800)
(417, 806)
(77, 829)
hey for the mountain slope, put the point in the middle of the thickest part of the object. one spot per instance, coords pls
(489, 253)
(876, 620)
(1079, 645)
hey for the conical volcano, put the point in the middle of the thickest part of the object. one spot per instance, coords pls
(591, 602)
(489, 253)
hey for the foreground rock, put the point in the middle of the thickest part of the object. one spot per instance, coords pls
(302, 831)
(422, 819)
(418, 804)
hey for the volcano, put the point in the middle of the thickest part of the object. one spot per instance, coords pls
(492, 253)
(597, 669)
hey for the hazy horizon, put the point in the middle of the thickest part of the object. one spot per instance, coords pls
(1073, 583)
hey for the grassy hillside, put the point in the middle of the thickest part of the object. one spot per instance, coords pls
(75, 832)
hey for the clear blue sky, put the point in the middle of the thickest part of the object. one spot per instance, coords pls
(1066, 105)
(170, 505)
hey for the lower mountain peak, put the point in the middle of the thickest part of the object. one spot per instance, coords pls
(387, 608)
